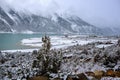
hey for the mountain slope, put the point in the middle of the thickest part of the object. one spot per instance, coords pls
(111, 31)
(5, 21)
(12, 21)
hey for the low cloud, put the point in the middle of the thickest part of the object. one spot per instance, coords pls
(102, 13)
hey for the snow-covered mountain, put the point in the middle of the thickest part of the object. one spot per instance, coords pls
(111, 31)
(13, 21)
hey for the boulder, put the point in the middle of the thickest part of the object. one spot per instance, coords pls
(72, 77)
(118, 43)
(99, 74)
(117, 73)
(90, 74)
(57, 79)
(110, 72)
(82, 76)
(34, 52)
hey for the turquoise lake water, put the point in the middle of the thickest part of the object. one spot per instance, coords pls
(10, 41)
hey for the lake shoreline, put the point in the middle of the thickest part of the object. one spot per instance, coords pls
(59, 42)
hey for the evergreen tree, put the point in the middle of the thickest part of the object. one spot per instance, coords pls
(47, 60)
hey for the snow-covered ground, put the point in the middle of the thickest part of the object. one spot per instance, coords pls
(61, 42)
(75, 59)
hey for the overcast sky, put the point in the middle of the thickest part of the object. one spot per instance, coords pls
(102, 13)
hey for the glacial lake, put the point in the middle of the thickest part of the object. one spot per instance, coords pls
(12, 41)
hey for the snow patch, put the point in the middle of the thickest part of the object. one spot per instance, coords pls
(27, 32)
(103, 45)
(19, 50)
(54, 18)
(74, 27)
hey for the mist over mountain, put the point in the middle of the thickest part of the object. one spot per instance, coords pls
(52, 16)
(13, 21)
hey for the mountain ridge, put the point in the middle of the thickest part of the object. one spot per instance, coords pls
(13, 21)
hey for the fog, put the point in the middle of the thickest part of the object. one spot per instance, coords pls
(102, 13)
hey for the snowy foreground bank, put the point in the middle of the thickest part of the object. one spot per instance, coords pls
(96, 58)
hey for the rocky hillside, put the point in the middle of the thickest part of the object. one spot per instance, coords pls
(13, 21)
